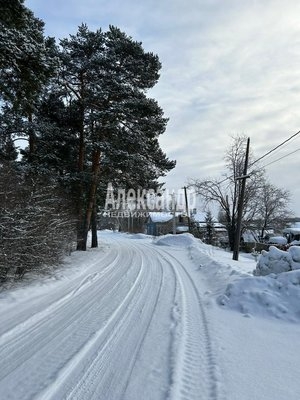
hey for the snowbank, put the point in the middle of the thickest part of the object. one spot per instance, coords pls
(272, 291)
(277, 261)
(275, 296)
(182, 240)
(233, 286)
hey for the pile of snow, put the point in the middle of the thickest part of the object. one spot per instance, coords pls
(217, 267)
(295, 243)
(277, 261)
(233, 286)
(276, 296)
(182, 240)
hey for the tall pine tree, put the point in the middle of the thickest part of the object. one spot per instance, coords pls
(27, 61)
(106, 76)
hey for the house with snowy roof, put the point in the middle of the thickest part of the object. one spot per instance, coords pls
(200, 228)
(198, 218)
(161, 223)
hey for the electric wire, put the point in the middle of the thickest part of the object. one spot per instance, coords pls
(283, 146)
(275, 148)
(267, 154)
(278, 159)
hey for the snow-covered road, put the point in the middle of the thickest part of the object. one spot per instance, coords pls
(129, 325)
(130, 321)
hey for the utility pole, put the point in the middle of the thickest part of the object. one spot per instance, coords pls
(187, 208)
(243, 178)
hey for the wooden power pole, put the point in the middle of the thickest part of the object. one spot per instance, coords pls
(187, 208)
(243, 178)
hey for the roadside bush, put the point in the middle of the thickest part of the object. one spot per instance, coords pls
(36, 228)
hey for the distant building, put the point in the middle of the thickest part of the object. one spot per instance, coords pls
(161, 223)
(199, 227)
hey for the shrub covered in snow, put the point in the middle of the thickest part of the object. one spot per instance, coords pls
(277, 261)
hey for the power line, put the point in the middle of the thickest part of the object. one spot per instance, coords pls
(275, 148)
(283, 146)
(278, 159)
(266, 154)
(225, 179)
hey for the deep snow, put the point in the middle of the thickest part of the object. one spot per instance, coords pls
(152, 318)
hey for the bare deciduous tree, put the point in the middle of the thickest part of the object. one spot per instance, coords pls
(273, 210)
(225, 192)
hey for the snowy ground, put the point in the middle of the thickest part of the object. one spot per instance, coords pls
(145, 319)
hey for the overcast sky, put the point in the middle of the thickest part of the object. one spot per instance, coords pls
(228, 67)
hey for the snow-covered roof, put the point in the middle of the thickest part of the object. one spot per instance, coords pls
(182, 228)
(295, 229)
(216, 225)
(278, 240)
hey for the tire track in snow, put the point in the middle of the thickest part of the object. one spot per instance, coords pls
(124, 343)
(35, 322)
(160, 299)
(150, 374)
(100, 339)
(147, 326)
(195, 374)
(87, 348)
(34, 319)
(57, 339)
(128, 325)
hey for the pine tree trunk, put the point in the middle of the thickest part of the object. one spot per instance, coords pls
(31, 139)
(94, 227)
(92, 192)
(82, 233)
(81, 228)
